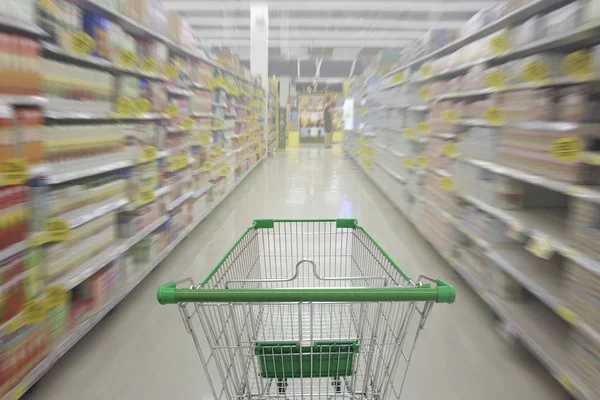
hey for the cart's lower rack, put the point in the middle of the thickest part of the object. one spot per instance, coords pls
(542, 343)
(81, 330)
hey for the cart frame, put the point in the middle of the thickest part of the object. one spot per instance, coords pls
(306, 308)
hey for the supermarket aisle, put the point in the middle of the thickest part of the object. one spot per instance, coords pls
(142, 351)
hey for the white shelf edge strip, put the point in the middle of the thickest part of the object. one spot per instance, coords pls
(177, 202)
(80, 331)
(54, 178)
(79, 220)
(13, 249)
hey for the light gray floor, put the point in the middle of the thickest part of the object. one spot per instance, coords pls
(141, 351)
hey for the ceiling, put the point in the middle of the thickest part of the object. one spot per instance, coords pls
(328, 29)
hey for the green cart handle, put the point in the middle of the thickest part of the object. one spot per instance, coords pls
(169, 294)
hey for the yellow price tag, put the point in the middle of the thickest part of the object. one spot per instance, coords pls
(82, 43)
(149, 65)
(426, 70)
(172, 71)
(207, 166)
(225, 171)
(128, 58)
(205, 138)
(450, 150)
(567, 314)
(217, 150)
(409, 132)
(58, 229)
(567, 149)
(535, 71)
(149, 153)
(450, 115)
(446, 183)
(219, 124)
(34, 312)
(541, 247)
(422, 161)
(494, 116)
(500, 43)
(495, 79)
(39, 239)
(14, 171)
(567, 384)
(56, 296)
(126, 106)
(17, 392)
(146, 196)
(408, 163)
(187, 124)
(171, 110)
(143, 105)
(579, 64)
(426, 92)
(178, 162)
(398, 77)
(423, 127)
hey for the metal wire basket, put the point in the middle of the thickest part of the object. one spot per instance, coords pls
(306, 309)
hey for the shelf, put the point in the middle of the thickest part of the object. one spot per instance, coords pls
(53, 178)
(200, 86)
(390, 172)
(18, 100)
(220, 105)
(84, 116)
(11, 24)
(138, 30)
(13, 249)
(201, 191)
(419, 107)
(84, 215)
(96, 263)
(465, 95)
(177, 91)
(201, 115)
(532, 272)
(81, 330)
(177, 202)
(511, 19)
(54, 52)
(590, 193)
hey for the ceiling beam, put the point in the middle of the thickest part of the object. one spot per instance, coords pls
(366, 42)
(242, 22)
(206, 34)
(369, 6)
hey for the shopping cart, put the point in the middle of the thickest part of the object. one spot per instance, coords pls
(306, 309)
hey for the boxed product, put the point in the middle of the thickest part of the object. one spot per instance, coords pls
(583, 359)
(174, 26)
(579, 103)
(583, 226)
(31, 124)
(99, 28)
(14, 215)
(156, 50)
(20, 352)
(21, 65)
(130, 223)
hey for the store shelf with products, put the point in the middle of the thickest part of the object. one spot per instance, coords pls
(497, 147)
(114, 166)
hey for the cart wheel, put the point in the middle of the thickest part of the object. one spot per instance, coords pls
(282, 385)
(337, 384)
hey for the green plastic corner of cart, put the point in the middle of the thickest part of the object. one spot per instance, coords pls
(166, 293)
(346, 223)
(263, 224)
(446, 292)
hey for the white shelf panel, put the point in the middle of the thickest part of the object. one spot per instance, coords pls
(80, 217)
(96, 263)
(13, 24)
(81, 330)
(53, 51)
(201, 191)
(53, 178)
(177, 202)
(391, 173)
(22, 100)
(13, 249)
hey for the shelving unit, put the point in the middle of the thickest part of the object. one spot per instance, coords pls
(504, 188)
(131, 174)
